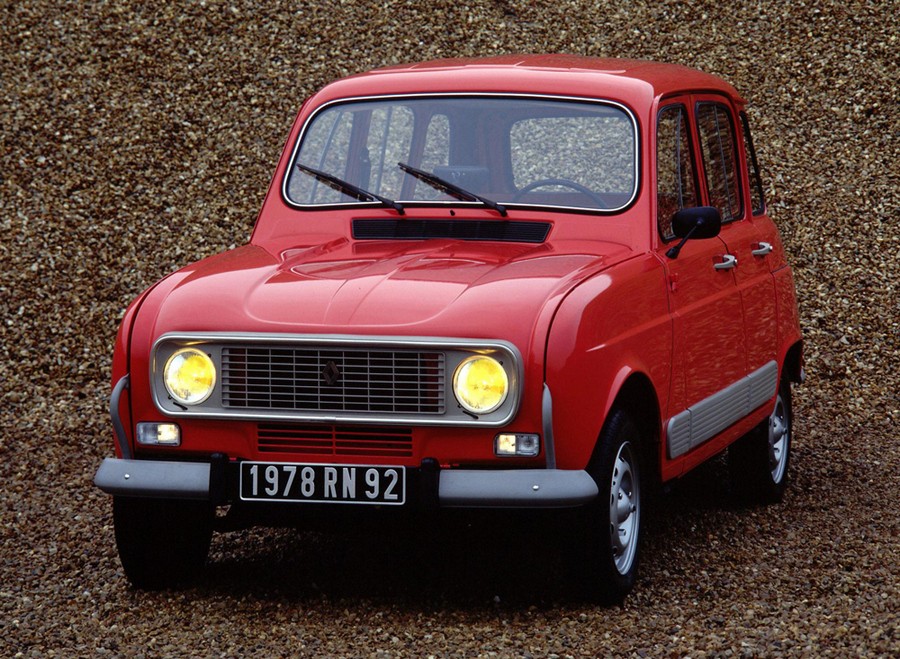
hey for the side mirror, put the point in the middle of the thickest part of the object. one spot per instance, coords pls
(694, 222)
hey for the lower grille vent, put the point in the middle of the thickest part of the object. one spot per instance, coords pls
(310, 439)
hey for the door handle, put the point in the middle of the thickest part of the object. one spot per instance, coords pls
(761, 249)
(728, 262)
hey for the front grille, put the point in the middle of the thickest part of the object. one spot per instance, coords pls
(309, 439)
(333, 380)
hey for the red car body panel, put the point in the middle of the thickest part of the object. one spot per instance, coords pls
(595, 305)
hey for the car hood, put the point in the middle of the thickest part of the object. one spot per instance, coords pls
(424, 288)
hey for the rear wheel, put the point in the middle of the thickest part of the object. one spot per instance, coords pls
(610, 546)
(162, 542)
(759, 461)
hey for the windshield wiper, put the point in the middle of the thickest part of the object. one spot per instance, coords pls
(446, 187)
(349, 189)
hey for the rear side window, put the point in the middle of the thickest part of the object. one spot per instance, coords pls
(675, 181)
(720, 163)
(757, 200)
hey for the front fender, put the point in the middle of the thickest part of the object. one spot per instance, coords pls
(608, 329)
(120, 404)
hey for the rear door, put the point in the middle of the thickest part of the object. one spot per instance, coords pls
(726, 183)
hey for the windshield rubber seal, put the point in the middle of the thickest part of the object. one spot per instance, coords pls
(456, 203)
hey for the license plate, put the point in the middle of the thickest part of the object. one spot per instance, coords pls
(360, 484)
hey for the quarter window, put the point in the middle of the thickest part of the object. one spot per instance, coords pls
(717, 143)
(675, 188)
(757, 200)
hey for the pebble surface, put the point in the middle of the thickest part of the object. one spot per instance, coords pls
(136, 137)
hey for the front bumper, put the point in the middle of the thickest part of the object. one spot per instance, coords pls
(452, 488)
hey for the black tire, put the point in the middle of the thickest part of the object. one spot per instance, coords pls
(609, 549)
(162, 543)
(758, 462)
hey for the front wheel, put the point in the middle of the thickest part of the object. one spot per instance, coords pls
(610, 546)
(759, 461)
(162, 542)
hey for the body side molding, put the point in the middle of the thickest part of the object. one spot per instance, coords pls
(706, 419)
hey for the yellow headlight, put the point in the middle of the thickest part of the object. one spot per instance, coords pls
(480, 384)
(190, 376)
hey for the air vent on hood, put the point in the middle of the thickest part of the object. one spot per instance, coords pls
(412, 229)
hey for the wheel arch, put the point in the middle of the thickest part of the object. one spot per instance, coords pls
(637, 397)
(792, 364)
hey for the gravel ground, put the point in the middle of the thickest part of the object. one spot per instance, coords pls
(137, 137)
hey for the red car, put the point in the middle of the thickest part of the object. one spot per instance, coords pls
(517, 282)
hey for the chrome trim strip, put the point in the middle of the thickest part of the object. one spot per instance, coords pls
(547, 423)
(154, 478)
(118, 427)
(515, 488)
(508, 410)
(706, 419)
(457, 203)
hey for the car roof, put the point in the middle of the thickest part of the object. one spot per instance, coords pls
(635, 82)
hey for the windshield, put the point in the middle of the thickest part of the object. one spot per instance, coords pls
(510, 150)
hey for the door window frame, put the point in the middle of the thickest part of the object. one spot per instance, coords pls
(721, 103)
(682, 101)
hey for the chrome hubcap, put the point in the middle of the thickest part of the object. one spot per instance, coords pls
(624, 508)
(779, 437)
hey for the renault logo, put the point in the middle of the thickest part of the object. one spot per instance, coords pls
(331, 374)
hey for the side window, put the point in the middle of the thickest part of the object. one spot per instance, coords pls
(675, 188)
(718, 145)
(757, 200)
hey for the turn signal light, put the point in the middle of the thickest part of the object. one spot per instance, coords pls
(518, 445)
(158, 434)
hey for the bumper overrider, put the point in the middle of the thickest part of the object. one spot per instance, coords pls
(216, 480)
